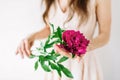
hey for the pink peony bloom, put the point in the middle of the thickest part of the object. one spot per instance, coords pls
(76, 43)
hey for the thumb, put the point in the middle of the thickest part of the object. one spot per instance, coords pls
(55, 48)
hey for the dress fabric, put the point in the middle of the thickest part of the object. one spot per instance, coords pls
(88, 68)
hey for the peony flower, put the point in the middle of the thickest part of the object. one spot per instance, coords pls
(76, 43)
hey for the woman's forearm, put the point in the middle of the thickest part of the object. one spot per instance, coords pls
(103, 14)
(40, 34)
(98, 42)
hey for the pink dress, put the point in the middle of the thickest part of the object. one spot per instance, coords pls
(88, 68)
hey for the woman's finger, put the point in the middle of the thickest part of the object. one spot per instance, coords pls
(27, 47)
(80, 57)
(23, 48)
(65, 53)
(20, 52)
(61, 51)
(16, 51)
(55, 48)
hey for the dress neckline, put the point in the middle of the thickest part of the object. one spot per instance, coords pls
(59, 7)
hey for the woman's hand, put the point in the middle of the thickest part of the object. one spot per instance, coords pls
(61, 51)
(24, 47)
(66, 53)
(26, 44)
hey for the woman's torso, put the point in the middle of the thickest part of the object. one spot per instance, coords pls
(57, 17)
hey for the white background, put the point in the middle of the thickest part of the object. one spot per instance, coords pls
(18, 18)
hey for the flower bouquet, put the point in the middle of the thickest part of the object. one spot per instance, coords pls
(72, 41)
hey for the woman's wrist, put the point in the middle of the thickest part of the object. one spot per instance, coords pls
(31, 38)
(89, 47)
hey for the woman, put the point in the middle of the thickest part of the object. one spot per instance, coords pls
(80, 15)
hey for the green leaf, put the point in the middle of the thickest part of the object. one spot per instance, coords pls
(62, 30)
(52, 52)
(44, 66)
(54, 42)
(36, 65)
(54, 35)
(41, 58)
(38, 49)
(73, 55)
(62, 59)
(42, 62)
(59, 32)
(66, 71)
(48, 57)
(56, 55)
(52, 28)
(51, 44)
(64, 43)
(42, 52)
(48, 46)
(55, 67)
(59, 72)
(32, 56)
(47, 41)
